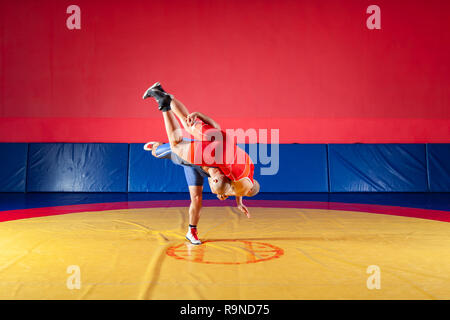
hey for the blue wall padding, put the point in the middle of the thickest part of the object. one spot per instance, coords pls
(149, 174)
(301, 168)
(101, 167)
(439, 167)
(77, 167)
(377, 168)
(13, 167)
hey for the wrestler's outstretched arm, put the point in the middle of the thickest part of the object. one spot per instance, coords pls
(232, 192)
(242, 207)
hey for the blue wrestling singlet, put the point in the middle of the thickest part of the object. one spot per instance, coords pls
(194, 174)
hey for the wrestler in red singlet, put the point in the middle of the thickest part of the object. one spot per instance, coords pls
(235, 166)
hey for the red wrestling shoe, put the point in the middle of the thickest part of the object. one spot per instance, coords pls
(192, 236)
(149, 146)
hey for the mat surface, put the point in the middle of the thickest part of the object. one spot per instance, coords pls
(297, 252)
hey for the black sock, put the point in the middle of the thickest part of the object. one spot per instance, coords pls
(192, 226)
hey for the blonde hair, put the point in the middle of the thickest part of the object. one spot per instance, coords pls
(254, 190)
(219, 184)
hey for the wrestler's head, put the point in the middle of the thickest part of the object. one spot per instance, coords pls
(218, 182)
(254, 190)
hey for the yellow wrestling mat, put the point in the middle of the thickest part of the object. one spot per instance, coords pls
(278, 254)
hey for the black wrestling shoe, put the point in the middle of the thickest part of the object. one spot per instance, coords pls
(156, 86)
(162, 97)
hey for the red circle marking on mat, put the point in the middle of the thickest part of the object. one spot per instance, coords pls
(257, 252)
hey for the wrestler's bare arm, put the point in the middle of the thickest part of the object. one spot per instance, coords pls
(191, 118)
(208, 120)
(242, 207)
(239, 204)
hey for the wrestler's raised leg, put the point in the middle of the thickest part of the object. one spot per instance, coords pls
(180, 111)
(195, 130)
(206, 129)
(189, 151)
(173, 129)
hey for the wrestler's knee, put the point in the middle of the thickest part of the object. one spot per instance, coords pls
(196, 201)
(175, 141)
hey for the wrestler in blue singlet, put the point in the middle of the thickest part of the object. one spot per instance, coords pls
(194, 174)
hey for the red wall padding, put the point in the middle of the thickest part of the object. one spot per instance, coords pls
(309, 68)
